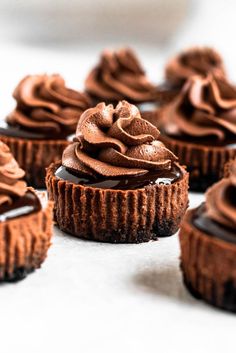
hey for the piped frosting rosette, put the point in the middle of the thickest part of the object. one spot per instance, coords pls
(112, 142)
(221, 201)
(119, 75)
(45, 105)
(205, 107)
(10, 173)
(194, 61)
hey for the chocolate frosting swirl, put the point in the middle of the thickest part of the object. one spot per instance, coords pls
(113, 142)
(221, 202)
(232, 167)
(46, 105)
(204, 107)
(197, 60)
(10, 173)
(119, 75)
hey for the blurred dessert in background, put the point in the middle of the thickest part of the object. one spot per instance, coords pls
(199, 126)
(189, 62)
(118, 76)
(193, 61)
(45, 116)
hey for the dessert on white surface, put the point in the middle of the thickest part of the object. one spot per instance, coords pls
(92, 297)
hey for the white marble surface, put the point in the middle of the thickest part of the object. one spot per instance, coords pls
(90, 297)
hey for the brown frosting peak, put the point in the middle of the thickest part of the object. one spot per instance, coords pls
(119, 75)
(113, 142)
(221, 201)
(197, 60)
(232, 168)
(10, 173)
(46, 105)
(204, 107)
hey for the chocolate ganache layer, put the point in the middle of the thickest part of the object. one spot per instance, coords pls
(119, 75)
(116, 148)
(15, 199)
(46, 108)
(197, 60)
(122, 183)
(204, 112)
(217, 217)
(21, 206)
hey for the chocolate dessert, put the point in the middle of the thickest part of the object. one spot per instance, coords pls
(120, 76)
(230, 167)
(208, 246)
(25, 223)
(193, 61)
(199, 126)
(117, 182)
(37, 130)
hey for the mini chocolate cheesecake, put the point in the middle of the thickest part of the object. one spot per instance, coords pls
(199, 126)
(118, 76)
(208, 246)
(190, 62)
(37, 131)
(230, 168)
(117, 182)
(25, 222)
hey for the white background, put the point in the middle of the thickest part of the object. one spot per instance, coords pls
(91, 297)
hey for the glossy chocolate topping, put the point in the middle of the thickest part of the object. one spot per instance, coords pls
(147, 107)
(20, 206)
(200, 61)
(218, 215)
(10, 173)
(119, 75)
(123, 183)
(212, 228)
(205, 108)
(116, 142)
(11, 131)
(45, 106)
